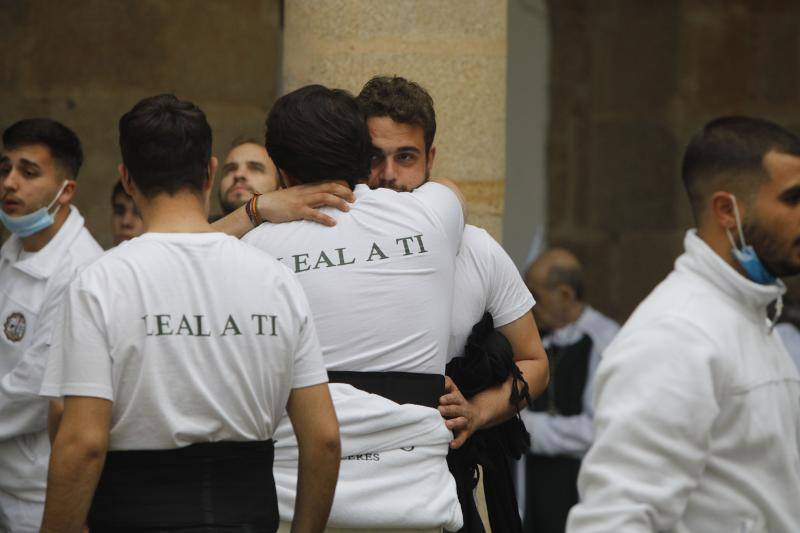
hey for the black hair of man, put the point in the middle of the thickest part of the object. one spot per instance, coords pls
(405, 102)
(118, 189)
(63, 143)
(728, 154)
(166, 145)
(316, 134)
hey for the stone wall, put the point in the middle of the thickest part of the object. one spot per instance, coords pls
(630, 82)
(85, 62)
(456, 49)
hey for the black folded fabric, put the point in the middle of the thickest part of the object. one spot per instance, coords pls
(487, 362)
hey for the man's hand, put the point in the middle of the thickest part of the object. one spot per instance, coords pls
(301, 202)
(463, 418)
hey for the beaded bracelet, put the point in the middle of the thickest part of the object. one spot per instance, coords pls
(251, 208)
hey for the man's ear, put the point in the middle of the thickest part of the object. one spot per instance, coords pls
(125, 179)
(721, 209)
(431, 157)
(213, 163)
(68, 193)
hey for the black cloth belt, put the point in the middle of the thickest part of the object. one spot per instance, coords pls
(207, 487)
(400, 387)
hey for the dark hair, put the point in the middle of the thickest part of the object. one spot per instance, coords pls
(64, 145)
(401, 100)
(729, 152)
(571, 276)
(316, 134)
(118, 189)
(166, 145)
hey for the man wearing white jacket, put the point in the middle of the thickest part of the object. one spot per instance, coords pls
(697, 403)
(39, 163)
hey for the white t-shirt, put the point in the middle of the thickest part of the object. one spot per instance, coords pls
(194, 337)
(380, 282)
(486, 280)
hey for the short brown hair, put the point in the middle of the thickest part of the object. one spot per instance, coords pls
(401, 100)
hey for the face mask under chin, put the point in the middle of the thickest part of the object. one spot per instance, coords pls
(746, 256)
(26, 225)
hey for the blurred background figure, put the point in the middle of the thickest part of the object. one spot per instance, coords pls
(247, 169)
(560, 420)
(126, 221)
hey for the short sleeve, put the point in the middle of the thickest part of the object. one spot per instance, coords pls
(309, 367)
(80, 358)
(509, 298)
(446, 206)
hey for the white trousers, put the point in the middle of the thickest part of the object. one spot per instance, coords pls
(19, 516)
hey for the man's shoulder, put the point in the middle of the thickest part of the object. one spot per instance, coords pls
(675, 314)
(85, 247)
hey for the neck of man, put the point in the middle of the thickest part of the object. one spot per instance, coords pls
(183, 212)
(37, 241)
(717, 239)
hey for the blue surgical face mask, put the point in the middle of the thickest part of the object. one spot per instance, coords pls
(746, 256)
(27, 225)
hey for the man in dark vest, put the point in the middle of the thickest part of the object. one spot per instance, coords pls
(560, 420)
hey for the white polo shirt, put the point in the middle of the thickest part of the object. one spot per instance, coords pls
(195, 337)
(31, 287)
(380, 282)
(486, 280)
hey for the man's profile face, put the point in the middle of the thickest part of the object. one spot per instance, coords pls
(29, 179)
(247, 169)
(400, 162)
(772, 225)
(126, 221)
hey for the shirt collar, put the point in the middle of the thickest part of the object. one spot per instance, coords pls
(43, 263)
(702, 261)
(571, 333)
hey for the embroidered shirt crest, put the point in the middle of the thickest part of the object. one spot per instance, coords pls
(14, 327)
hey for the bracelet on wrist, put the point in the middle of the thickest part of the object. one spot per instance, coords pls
(251, 208)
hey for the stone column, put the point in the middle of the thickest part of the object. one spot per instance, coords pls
(456, 49)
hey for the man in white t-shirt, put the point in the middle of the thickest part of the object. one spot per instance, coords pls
(379, 285)
(402, 125)
(39, 164)
(176, 374)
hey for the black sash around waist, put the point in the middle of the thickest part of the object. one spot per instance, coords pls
(219, 486)
(400, 387)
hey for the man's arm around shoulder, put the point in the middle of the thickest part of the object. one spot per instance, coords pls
(314, 421)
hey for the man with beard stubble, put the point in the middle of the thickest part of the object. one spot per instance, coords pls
(247, 169)
(697, 420)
